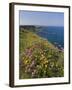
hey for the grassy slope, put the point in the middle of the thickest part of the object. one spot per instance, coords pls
(38, 57)
(29, 38)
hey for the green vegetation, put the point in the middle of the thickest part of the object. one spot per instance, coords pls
(38, 57)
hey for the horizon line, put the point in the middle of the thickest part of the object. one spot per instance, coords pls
(41, 25)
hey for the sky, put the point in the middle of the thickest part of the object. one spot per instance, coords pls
(41, 18)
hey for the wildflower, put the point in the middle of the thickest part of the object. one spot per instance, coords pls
(26, 61)
(32, 64)
(45, 66)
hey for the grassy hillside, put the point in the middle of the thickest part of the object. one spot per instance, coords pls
(38, 57)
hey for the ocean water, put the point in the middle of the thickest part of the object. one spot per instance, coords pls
(53, 34)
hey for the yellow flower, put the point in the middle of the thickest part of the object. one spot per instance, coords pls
(26, 61)
(45, 66)
(23, 58)
(42, 55)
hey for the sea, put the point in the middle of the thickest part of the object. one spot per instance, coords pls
(54, 34)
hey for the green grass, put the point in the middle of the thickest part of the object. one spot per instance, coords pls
(38, 57)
